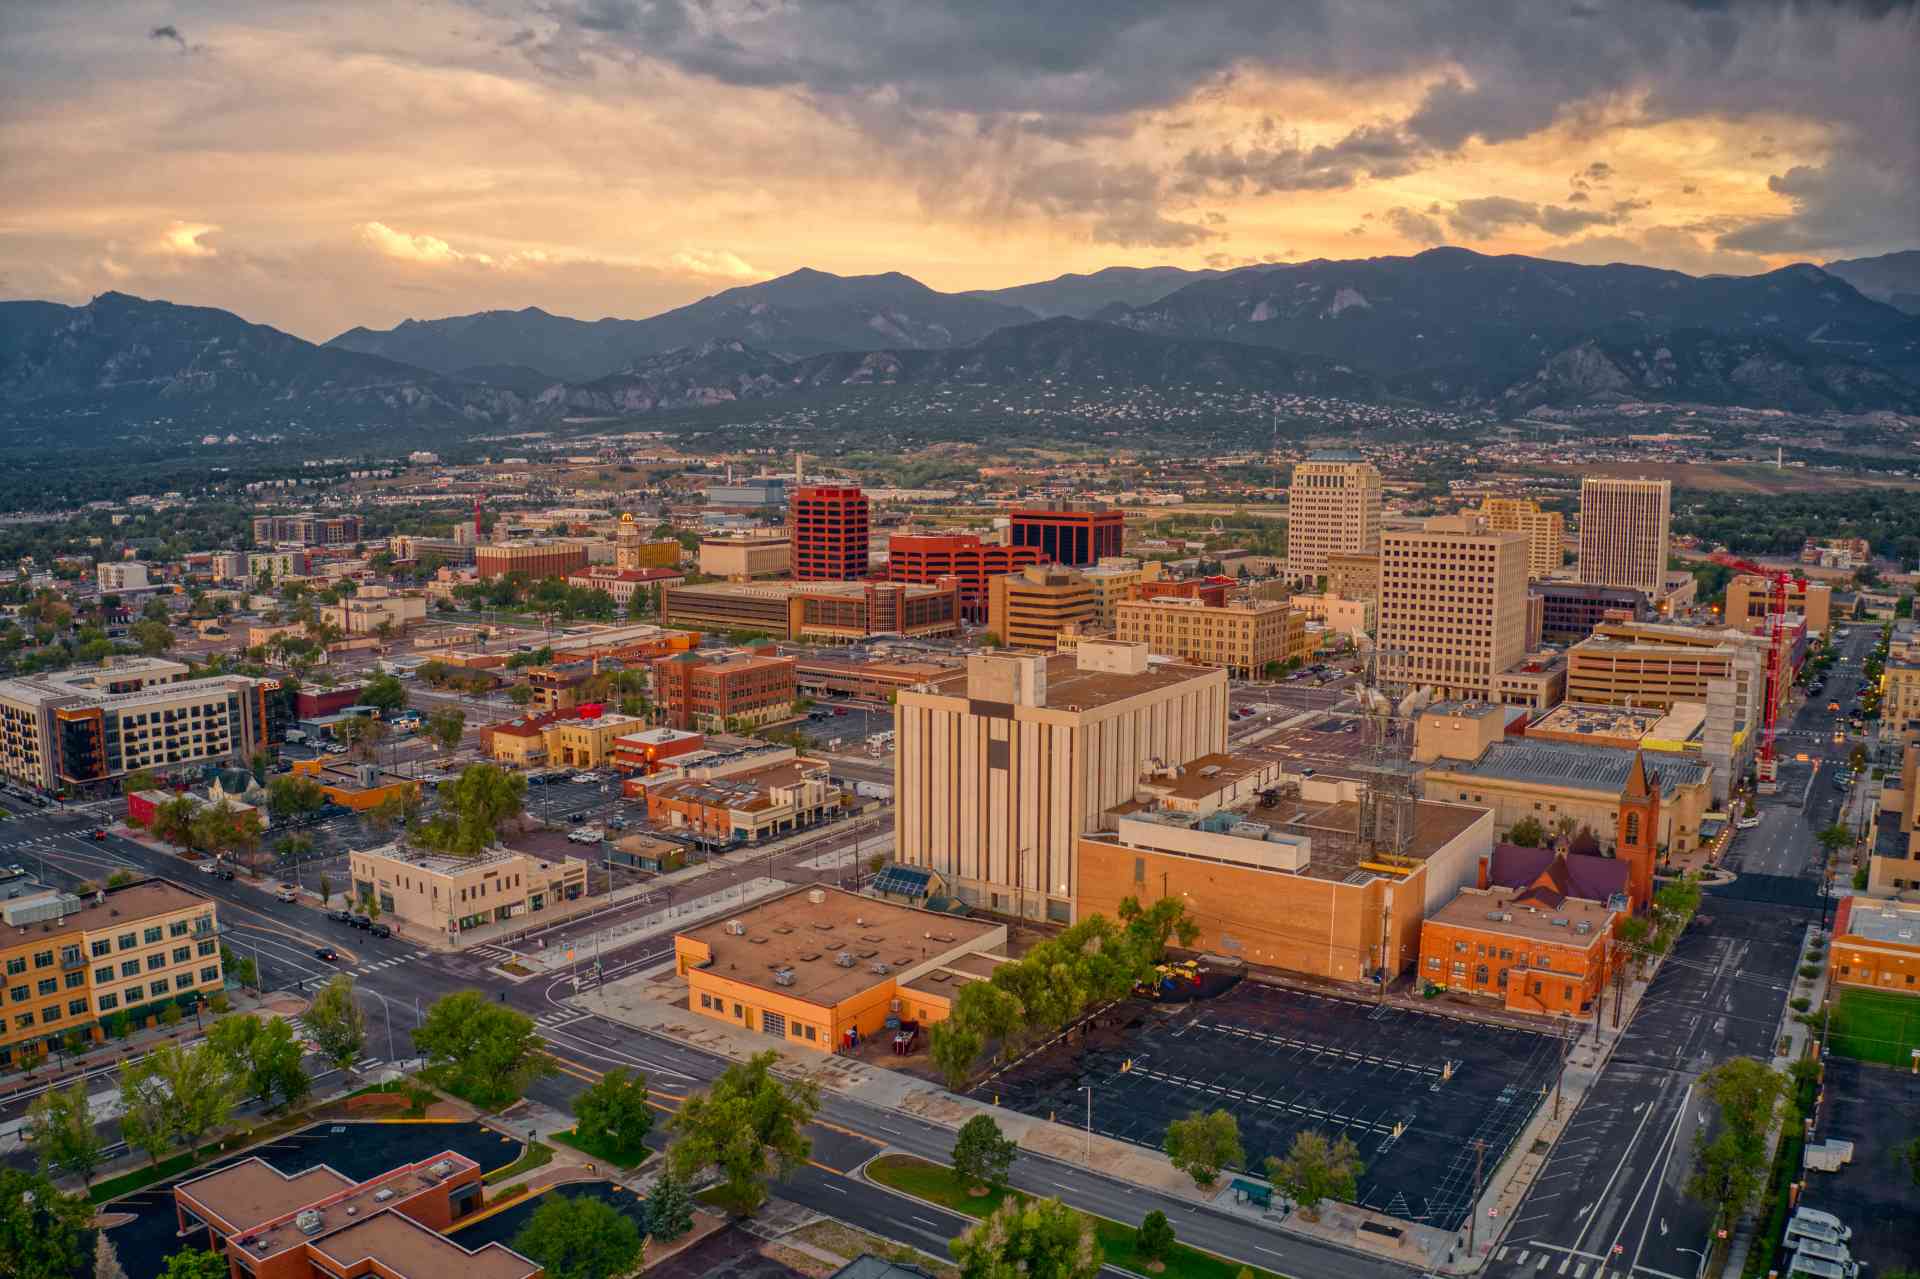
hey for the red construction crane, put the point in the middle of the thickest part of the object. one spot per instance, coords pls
(1779, 582)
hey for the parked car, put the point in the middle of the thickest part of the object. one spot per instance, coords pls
(223, 873)
(286, 893)
(617, 823)
(576, 817)
(340, 916)
(379, 930)
(1747, 823)
(208, 866)
(359, 921)
(584, 835)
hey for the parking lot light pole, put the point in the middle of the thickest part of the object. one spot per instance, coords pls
(1088, 1089)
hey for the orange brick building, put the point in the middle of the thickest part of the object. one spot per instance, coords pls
(709, 690)
(927, 560)
(1536, 951)
(1876, 944)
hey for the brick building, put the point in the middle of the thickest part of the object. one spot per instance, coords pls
(534, 560)
(1078, 534)
(711, 690)
(1876, 945)
(960, 556)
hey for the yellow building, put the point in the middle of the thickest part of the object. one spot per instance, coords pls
(586, 743)
(1748, 598)
(355, 786)
(1333, 508)
(1113, 580)
(1453, 606)
(814, 964)
(633, 549)
(1244, 638)
(740, 557)
(1354, 577)
(1342, 616)
(1546, 531)
(439, 895)
(371, 607)
(131, 950)
(1900, 697)
(1028, 609)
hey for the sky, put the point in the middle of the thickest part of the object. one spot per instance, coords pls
(316, 164)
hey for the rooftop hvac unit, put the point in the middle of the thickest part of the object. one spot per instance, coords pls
(383, 1194)
(879, 970)
(816, 897)
(844, 959)
(1496, 915)
(40, 907)
(784, 977)
(442, 1168)
(737, 927)
(309, 1222)
(1583, 927)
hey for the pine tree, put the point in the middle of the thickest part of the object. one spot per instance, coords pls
(106, 1262)
(669, 1208)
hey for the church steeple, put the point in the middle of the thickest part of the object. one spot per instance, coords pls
(1637, 839)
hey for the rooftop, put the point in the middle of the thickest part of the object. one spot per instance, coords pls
(1573, 922)
(123, 905)
(447, 864)
(1882, 921)
(803, 938)
(1071, 688)
(253, 1190)
(1590, 768)
(406, 1247)
(1680, 723)
(786, 590)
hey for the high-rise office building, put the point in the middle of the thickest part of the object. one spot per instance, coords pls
(1546, 530)
(961, 556)
(1333, 508)
(1030, 608)
(829, 525)
(1453, 606)
(1072, 533)
(1624, 527)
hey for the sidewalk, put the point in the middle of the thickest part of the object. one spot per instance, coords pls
(659, 923)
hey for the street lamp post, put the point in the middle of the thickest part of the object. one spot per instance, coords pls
(1088, 1089)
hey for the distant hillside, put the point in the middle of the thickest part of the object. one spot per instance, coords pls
(1893, 278)
(1082, 295)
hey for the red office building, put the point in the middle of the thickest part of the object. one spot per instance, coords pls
(1072, 533)
(829, 523)
(963, 556)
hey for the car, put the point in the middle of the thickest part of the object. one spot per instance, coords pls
(286, 893)
(582, 779)
(1747, 823)
(576, 817)
(360, 921)
(617, 823)
(1833, 706)
(327, 953)
(379, 930)
(223, 873)
(207, 867)
(98, 832)
(839, 710)
(340, 916)
(585, 835)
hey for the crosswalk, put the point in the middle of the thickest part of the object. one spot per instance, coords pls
(375, 965)
(1551, 1259)
(495, 953)
(558, 1017)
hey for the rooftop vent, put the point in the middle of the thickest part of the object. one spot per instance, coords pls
(783, 977)
(441, 1168)
(1583, 927)
(383, 1194)
(309, 1222)
(1558, 921)
(810, 956)
(783, 930)
(737, 927)
(1496, 915)
(845, 959)
(816, 897)
(879, 970)
(757, 941)
(876, 940)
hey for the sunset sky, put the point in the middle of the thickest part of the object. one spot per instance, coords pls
(317, 165)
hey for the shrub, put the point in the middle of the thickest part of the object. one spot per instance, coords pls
(1809, 971)
(1801, 1003)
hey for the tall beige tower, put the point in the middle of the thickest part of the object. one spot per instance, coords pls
(1453, 606)
(1624, 527)
(1546, 530)
(1333, 508)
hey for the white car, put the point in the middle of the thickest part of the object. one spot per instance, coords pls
(208, 866)
(583, 779)
(584, 835)
(1747, 823)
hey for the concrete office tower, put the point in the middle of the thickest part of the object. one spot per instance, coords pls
(1030, 608)
(1453, 606)
(1333, 508)
(1546, 530)
(1624, 526)
(1001, 769)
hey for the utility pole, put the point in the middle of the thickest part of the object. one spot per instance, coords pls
(1559, 1080)
(1386, 913)
(1473, 1209)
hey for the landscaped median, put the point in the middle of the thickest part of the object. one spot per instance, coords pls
(939, 1185)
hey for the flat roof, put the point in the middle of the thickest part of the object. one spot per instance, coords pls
(1205, 774)
(1068, 686)
(125, 905)
(1600, 720)
(253, 1190)
(1578, 767)
(786, 590)
(1884, 921)
(1474, 907)
(409, 1248)
(795, 934)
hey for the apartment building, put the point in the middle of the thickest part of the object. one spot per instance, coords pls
(1333, 508)
(440, 895)
(710, 691)
(963, 557)
(93, 723)
(828, 611)
(113, 576)
(1001, 769)
(741, 557)
(1900, 697)
(1076, 534)
(121, 953)
(1749, 597)
(1114, 578)
(1244, 638)
(1625, 528)
(829, 524)
(1453, 606)
(277, 565)
(306, 529)
(534, 560)
(1030, 608)
(1546, 531)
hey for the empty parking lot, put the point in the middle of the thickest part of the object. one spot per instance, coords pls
(1415, 1091)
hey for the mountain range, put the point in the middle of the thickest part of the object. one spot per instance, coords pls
(1445, 327)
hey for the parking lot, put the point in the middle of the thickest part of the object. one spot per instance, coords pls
(502, 1226)
(1413, 1090)
(1878, 1110)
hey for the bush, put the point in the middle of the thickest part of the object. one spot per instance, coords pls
(1800, 1003)
(1809, 971)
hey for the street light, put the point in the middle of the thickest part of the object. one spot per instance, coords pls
(1088, 1089)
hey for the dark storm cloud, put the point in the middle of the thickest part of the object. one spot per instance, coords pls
(1272, 164)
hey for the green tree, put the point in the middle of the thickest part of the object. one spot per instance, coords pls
(119, 879)
(201, 1089)
(473, 806)
(669, 1207)
(982, 1154)
(575, 1237)
(335, 1023)
(1029, 1239)
(748, 1125)
(264, 1056)
(480, 1049)
(445, 727)
(385, 693)
(1835, 837)
(954, 1045)
(613, 1115)
(42, 1232)
(520, 694)
(138, 780)
(1155, 1238)
(1527, 833)
(1202, 1144)
(145, 1122)
(196, 1263)
(242, 970)
(1730, 1166)
(326, 890)
(60, 1129)
(154, 638)
(1316, 1170)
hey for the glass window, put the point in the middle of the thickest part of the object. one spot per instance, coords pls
(206, 948)
(178, 928)
(157, 987)
(50, 1013)
(19, 993)
(152, 935)
(128, 941)
(183, 980)
(210, 974)
(130, 968)
(181, 954)
(76, 979)
(78, 1007)
(69, 955)
(23, 1021)
(156, 960)
(16, 966)
(107, 1003)
(102, 946)
(43, 959)
(103, 975)
(49, 986)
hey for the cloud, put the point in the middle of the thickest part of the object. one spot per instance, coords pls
(1488, 216)
(1847, 205)
(182, 239)
(428, 250)
(1378, 151)
(1417, 227)
(1673, 247)
(716, 262)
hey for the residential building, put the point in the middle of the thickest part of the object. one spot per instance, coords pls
(624, 583)
(714, 691)
(1354, 577)
(1893, 862)
(1900, 697)
(1546, 531)
(1333, 508)
(1453, 606)
(746, 807)
(1749, 596)
(1625, 527)
(1551, 781)
(89, 724)
(277, 565)
(962, 557)
(743, 556)
(1000, 770)
(1077, 534)
(825, 611)
(633, 549)
(533, 560)
(1113, 580)
(306, 529)
(1028, 609)
(113, 576)
(121, 955)
(1283, 879)
(1244, 638)
(442, 896)
(790, 968)
(371, 607)
(829, 524)
(1876, 945)
(1570, 610)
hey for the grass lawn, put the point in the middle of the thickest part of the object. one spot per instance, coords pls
(614, 1155)
(534, 1156)
(936, 1184)
(1875, 1025)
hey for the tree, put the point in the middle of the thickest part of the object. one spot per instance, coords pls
(1155, 1238)
(747, 1125)
(1201, 1145)
(1835, 837)
(445, 727)
(982, 1154)
(173, 820)
(201, 1089)
(294, 796)
(575, 1237)
(42, 1232)
(1031, 1239)
(145, 1123)
(520, 694)
(60, 1128)
(244, 971)
(363, 735)
(154, 638)
(385, 693)
(669, 1207)
(106, 1261)
(1730, 1167)
(1527, 833)
(196, 1263)
(1316, 1170)
(613, 1115)
(479, 1049)
(264, 1056)
(473, 806)
(326, 890)
(119, 879)
(335, 1023)
(953, 1046)
(138, 780)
